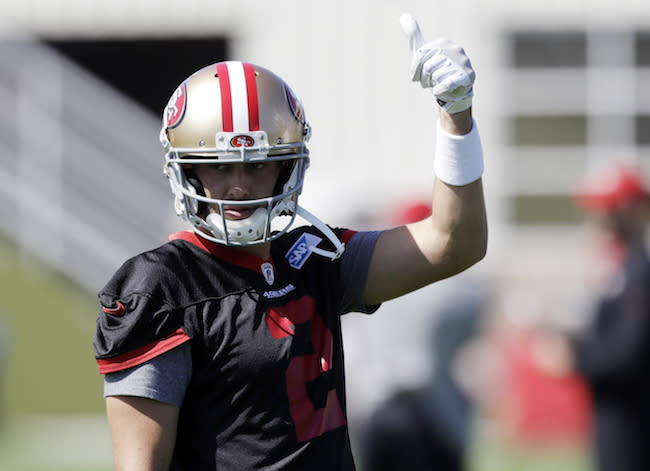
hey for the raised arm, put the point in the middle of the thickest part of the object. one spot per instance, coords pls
(455, 236)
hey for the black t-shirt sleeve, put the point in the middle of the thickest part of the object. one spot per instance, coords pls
(135, 321)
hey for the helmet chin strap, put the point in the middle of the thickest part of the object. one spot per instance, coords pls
(252, 229)
(327, 232)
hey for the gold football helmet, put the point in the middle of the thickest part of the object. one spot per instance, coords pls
(234, 112)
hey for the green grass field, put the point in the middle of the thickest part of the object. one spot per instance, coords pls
(50, 391)
(52, 410)
(493, 453)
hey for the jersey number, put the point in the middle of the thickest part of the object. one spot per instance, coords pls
(309, 421)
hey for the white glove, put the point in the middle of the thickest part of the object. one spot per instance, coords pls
(442, 66)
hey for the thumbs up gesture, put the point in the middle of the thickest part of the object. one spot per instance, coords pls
(441, 66)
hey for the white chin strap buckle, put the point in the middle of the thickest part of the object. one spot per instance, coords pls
(340, 248)
(321, 226)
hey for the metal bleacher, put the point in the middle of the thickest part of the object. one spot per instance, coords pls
(81, 183)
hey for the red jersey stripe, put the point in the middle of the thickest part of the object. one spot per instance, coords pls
(142, 354)
(229, 254)
(347, 235)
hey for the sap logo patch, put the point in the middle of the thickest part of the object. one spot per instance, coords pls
(300, 251)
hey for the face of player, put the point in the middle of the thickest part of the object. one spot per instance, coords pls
(240, 182)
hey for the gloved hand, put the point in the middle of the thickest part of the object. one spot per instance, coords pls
(442, 66)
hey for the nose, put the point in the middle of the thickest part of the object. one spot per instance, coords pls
(238, 183)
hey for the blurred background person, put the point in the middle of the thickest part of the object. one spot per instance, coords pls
(428, 427)
(517, 403)
(612, 352)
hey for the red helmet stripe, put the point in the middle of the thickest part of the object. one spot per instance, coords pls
(239, 102)
(226, 99)
(251, 92)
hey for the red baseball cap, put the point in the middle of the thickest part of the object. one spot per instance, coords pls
(611, 188)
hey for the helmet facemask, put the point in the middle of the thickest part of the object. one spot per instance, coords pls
(273, 215)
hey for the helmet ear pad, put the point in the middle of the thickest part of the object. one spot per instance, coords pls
(193, 180)
(285, 172)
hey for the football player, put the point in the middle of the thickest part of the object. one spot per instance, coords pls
(222, 348)
(611, 351)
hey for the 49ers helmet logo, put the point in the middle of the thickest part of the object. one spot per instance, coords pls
(242, 141)
(295, 105)
(175, 109)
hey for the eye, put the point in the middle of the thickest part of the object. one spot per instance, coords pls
(256, 165)
(218, 167)
(211, 169)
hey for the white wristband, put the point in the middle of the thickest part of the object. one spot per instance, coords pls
(459, 159)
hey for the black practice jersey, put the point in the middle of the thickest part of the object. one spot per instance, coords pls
(267, 387)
